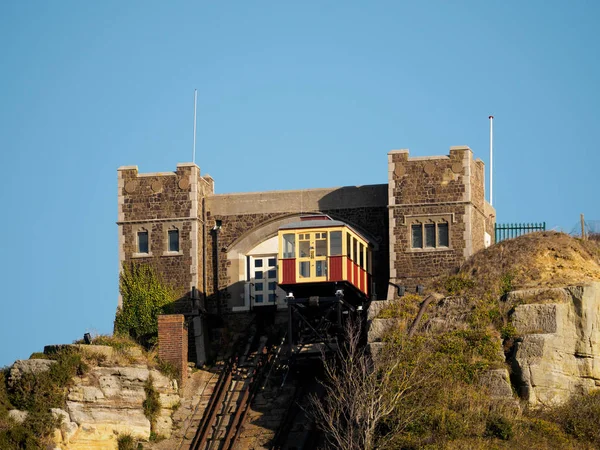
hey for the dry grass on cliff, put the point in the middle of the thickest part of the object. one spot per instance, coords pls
(536, 260)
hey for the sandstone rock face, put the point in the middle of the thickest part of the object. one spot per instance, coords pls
(33, 366)
(108, 402)
(497, 382)
(558, 353)
(18, 416)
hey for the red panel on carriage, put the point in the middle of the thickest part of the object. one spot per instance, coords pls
(289, 270)
(335, 268)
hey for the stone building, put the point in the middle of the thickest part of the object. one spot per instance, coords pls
(428, 218)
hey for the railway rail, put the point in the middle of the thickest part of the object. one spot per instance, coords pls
(252, 368)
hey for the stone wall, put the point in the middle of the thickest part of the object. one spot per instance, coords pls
(248, 219)
(434, 189)
(173, 343)
(156, 202)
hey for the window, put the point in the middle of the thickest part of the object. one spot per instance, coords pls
(321, 268)
(289, 245)
(142, 241)
(321, 244)
(430, 233)
(304, 245)
(171, 243)
(443, 238)
(417, 236)
(173, 240)
(348, 246)
(355, 250)
(362, 256)
(304, 269)
(335, 243)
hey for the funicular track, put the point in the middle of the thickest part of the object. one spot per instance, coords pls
(238, 383)
(254, 368)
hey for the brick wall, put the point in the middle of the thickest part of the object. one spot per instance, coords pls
(173, 342)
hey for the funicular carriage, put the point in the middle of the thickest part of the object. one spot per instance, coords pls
(325, 269)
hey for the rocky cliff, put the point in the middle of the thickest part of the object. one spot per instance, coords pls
(108, 400)
(557, 349)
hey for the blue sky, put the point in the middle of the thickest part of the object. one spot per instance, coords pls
(290, 95)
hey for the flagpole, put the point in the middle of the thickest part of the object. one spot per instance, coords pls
(194, 148)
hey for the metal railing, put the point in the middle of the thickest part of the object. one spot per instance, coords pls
(512, 230)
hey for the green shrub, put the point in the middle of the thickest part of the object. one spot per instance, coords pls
(145, 297)
(19, 437)
(458, 284)
(508, 331)
(579, 417)
(499, 427)
(506, 283)
(4, 401)
(151, 404)
(168, 369)
(126, 442)
(405, 307)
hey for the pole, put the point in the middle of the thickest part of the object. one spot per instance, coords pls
(582, 227)
(194, 149)
(491, 160)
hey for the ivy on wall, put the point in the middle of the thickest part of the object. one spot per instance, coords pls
(145, 297)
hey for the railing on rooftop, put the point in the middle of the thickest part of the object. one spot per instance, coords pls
(512, 230)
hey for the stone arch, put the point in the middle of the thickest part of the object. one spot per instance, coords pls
(251, 238)
(236, 252)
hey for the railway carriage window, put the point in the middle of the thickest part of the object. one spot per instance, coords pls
(321, 268)
(348, 246)
(304, 245)
(321, 244)
(335, 243)
(354, 250)
(289, 245)
(417, 236)
(362, 256)
(430, 235)
(442, 234)
(304, 269)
